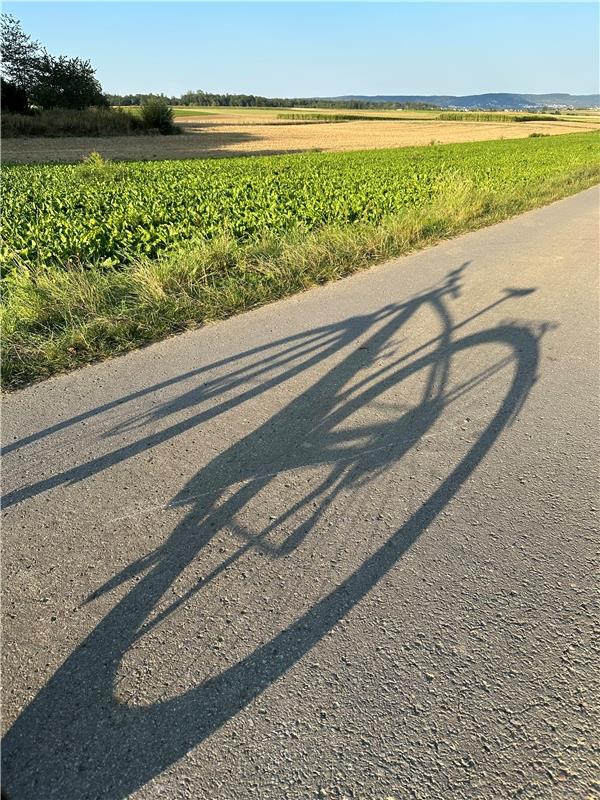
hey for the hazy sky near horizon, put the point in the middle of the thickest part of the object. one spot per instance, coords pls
(325, 49)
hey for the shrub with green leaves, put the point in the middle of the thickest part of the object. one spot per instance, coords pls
(158, 115)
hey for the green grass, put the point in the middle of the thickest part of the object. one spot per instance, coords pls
(281, 224)
(190, 111)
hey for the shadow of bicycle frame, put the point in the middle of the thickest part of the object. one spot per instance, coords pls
(74, 740)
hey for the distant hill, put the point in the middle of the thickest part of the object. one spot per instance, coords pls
(495, 100)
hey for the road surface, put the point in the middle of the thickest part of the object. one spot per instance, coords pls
(341, 546)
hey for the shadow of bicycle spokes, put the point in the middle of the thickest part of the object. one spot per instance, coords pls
(293, 524)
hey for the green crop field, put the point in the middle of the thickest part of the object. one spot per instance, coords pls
(107, 215)
(100, 257)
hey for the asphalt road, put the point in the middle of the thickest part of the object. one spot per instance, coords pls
(341, 546)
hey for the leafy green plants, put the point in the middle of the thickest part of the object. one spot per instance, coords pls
(100, 257)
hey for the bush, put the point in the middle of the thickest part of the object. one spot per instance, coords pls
(158, 115)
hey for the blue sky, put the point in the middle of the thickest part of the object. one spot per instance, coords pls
(324, 49)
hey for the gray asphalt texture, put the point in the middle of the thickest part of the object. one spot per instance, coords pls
(341, 546)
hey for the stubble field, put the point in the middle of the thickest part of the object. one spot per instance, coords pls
(218, 133)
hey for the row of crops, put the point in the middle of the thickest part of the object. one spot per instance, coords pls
(494, 116)
(316, 117)
(109, 214)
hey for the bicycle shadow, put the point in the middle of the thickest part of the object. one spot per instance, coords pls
(74, 740)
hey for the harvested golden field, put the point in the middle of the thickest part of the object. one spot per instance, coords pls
(219, 135)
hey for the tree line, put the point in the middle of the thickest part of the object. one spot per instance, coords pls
(201, 98)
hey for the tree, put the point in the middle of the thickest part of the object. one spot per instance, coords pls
(12, 97)
(47, 81)
(67, 83)
(22, 57)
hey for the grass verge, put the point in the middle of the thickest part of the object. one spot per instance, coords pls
(55, 320)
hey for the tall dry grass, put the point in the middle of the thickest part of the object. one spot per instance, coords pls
(88, 122)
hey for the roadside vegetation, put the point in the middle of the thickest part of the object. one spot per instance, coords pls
(102, 257)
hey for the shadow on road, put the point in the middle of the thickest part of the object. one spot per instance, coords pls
(74, 740)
